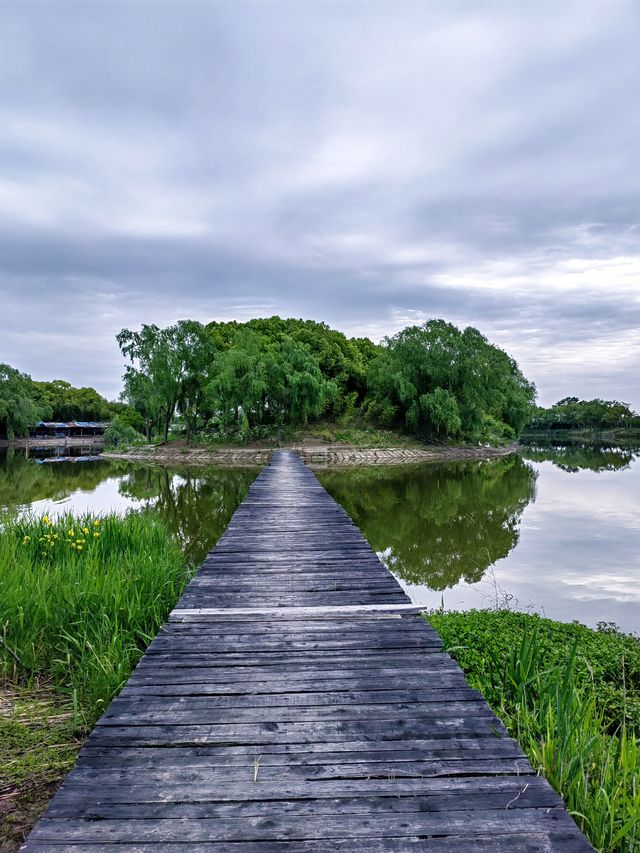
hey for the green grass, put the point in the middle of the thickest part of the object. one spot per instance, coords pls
(570, 696)
(80, 599)
(357, 435)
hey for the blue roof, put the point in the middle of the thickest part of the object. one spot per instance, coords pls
(69, 424)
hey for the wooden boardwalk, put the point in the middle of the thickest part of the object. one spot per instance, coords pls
(296, 700)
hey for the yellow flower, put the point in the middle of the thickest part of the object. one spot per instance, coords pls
(79, 547)
(79, 541)
(71, 532)
(96, 535)
(97, 522)
(26, 540)
(85, 530)
(73, 544)
(45, 519)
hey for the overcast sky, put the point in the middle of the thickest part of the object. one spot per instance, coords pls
(369, 164)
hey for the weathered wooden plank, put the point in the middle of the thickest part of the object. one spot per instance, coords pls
(294, 828)
(451, 749)
(554, 841)
(525, 795)
(136, 701)
(276, 781)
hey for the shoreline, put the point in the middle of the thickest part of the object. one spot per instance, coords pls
(316, 456)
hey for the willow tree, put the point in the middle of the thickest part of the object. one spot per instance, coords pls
(264, 381)
(436, 380)
(163, 363)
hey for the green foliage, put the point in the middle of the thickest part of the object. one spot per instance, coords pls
(128, 416)
(67, 403)
(18, 409)
(168, 367)
(119, 434)
(80, 598)
(571, 698)
(572, 413)
(436, 380)
(240, 378)
(24, 402)
(258, 381)
(342, 361)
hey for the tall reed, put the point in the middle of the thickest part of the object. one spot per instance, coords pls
(81, 597)
(565, 731)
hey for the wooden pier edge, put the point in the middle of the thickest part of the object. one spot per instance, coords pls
(296, 699)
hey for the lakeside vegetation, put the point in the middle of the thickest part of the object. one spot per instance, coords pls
(268, 378)
(250, 380)
(80, 599)
(571, 697)
(596, 415)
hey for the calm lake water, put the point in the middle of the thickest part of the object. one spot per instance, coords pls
(555, 529)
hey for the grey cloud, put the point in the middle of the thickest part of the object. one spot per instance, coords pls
(364, 164)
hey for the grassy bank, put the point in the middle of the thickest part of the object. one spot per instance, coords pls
(571, 697)
(80, 598)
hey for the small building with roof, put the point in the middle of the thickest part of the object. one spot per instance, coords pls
(68, 429)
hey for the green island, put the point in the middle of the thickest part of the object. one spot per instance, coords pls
(81, 596)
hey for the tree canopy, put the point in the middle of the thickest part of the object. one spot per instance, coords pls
(245, 380)
(67, 403)
(24, 402)
(436, 380)
(241, 379)
(18, 408)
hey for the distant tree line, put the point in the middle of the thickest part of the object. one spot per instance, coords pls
(24, 402)
(572, 413)
(251, 379)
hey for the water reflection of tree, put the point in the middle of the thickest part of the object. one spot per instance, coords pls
(440, 524)
(195, 505)
(24, 481)
(573, 457)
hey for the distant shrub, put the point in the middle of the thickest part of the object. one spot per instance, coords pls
(120, 434)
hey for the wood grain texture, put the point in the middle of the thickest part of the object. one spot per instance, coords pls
(296, 700)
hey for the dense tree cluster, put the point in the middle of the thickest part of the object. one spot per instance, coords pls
(572, 413)
(242, 379)
(435, 380)
(24, 402)
(18, 409)
(67, 403)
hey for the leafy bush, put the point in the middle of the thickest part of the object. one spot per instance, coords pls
(120, 434)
